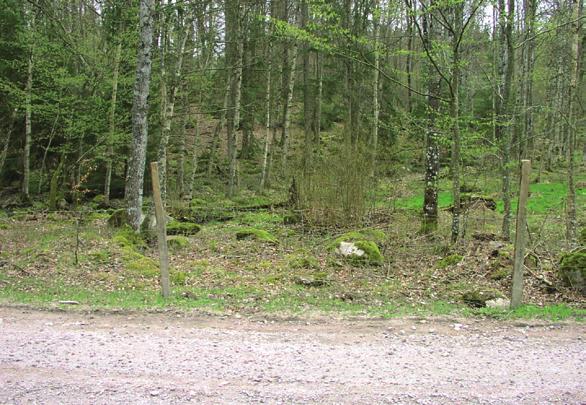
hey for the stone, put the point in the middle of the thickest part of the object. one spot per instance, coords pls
(349, 249)
(498, 303)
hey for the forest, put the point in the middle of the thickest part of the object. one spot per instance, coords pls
(361, 156)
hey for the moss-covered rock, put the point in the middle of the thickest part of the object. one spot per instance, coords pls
(361, 247)
(317, 279)
(257, 234)
(177, 242)
(119, 218)
(141, 266)
(450, 260)
(573, 270)
(182, 228)
(478, 296)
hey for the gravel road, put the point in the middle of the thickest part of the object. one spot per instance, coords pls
(77, 358)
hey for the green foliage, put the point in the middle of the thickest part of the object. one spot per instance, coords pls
(178, 278)
(257, 234)
(450, 260)
(126, 237)
(182, 228)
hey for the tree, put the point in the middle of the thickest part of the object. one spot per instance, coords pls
(136, 165)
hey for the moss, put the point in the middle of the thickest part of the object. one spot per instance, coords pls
(142, 266)
(126, 237)
(258, 234)
(182, 228)
(177, 242)
(573, 270)
(303, 262)
(96, 216)
(3, 225)
(478, 296)
(119, 218)
(373, 235)
(450, 260)
(372, 254)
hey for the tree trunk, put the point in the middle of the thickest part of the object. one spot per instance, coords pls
(214, 145)
(574, 103)
(307, 97)
(194, 162)
(455, 116)
(136, 165)
(28, 127)
(4, 151)
(375, 84)
(235, 48)
(112, 124)
(169, 111)
(503, 131)
(287, 101)
(264, 171)
(432, 161)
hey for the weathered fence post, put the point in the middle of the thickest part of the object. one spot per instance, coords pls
(520, 236)
(161, 229)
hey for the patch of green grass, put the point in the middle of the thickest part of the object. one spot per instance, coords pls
(557, 312)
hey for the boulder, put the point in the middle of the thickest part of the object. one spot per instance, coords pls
(573, 270)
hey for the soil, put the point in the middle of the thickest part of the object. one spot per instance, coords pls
(75, 358)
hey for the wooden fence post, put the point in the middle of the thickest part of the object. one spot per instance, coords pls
(520, 236)
(161, 229)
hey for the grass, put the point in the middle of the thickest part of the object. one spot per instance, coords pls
(220, 274)
(289, 303)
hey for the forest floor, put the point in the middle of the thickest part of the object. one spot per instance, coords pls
(174, 357)
(50, 257)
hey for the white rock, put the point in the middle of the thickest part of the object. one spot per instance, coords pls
(349, 249)
(500, 303)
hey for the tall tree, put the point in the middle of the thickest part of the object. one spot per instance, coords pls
(574, 102)
(140, 107)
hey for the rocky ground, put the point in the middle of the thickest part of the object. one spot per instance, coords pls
(74, 358)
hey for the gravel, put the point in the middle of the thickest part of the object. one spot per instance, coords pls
(77, 358)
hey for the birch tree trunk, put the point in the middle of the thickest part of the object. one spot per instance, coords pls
(287, 101)
(432, 161)
(267, 146)
(137, 162)
(112, 124)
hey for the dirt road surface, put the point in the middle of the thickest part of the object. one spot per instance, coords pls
(77, 358)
